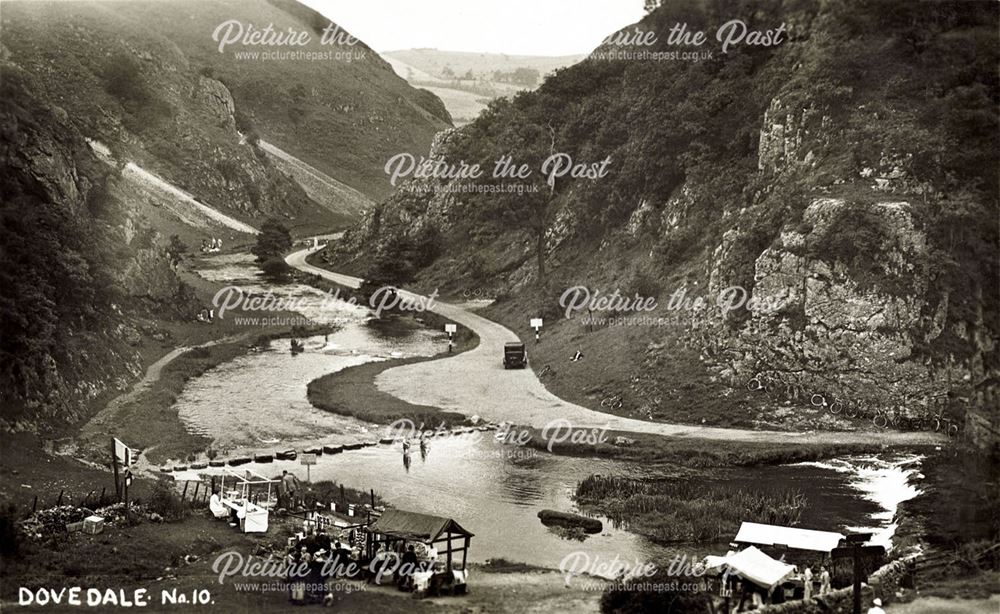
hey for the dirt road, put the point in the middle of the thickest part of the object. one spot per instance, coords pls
(475, 383)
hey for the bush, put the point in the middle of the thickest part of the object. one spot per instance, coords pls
(275, 269)
(165, 502)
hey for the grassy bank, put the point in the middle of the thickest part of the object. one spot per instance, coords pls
(663, 381)
(672, 512)
(658, 450)
(352, 391)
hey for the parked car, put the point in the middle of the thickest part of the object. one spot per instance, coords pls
(514, 355)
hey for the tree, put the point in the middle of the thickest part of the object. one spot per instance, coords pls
(272, 242)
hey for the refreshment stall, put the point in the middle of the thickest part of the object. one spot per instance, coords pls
(250, 497)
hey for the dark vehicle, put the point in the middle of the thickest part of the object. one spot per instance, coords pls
(514, 355)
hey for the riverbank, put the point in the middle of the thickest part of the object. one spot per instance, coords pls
(353, 392)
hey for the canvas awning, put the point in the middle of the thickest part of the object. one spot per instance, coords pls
(753, 565)
(415, 527)
(799, 539)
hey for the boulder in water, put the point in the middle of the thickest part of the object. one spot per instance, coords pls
(566, 519)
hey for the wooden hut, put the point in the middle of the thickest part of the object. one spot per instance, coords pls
(399, 525)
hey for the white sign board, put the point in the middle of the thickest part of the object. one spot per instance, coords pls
(123, 453)
(536, 323)
(308, 459)
(450, 328)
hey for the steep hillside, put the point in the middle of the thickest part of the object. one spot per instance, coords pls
(344, 113)
(79, 266)
(846, 179)
(148, 79)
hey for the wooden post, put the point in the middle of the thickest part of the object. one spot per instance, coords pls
(185, 491)
(34, 505)
(128, 511)
(114, 463)
(857, 578)
(449, 552)
(194, 497)
(465, 551)
(59, 501)
(343, 498)
(103, 490)
(372, 491)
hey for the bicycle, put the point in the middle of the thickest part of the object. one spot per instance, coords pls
(881, 419)
(765, 380)
(835, 407)
(612, 402)
(945, 424)
(546, 370)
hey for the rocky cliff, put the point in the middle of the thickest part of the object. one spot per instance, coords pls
(852, 202)
(79, 266)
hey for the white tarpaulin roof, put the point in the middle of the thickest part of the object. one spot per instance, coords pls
(800, 539)
(753, 565)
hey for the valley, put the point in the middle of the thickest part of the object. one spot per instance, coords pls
(534, 322)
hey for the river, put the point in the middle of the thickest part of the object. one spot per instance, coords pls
(257, 402)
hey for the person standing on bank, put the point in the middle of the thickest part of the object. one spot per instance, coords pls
(807, 583)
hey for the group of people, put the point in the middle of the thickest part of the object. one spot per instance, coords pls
(315, 553)
(211, 245)
(425, 448)
(752, 597)
(807, 582)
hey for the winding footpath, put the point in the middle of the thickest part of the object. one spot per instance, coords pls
(475, 383)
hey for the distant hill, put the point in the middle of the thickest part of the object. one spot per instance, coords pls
(467, 81)
(433, 62)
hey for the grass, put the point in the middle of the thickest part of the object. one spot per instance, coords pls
(352, 391)
(658, 450)
(667, 511)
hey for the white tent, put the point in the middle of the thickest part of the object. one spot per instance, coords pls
(799, 539)
(753, 565)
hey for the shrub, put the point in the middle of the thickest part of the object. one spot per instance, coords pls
(165, 502)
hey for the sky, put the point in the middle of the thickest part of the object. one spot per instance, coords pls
(514, 27)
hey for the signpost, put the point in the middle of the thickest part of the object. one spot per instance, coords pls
(308, 460)
(536, 323)
(856, 549)
(121, 455)
(451, 329)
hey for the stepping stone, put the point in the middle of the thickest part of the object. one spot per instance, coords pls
(286, 455)
(386, 440)
(199, 465)
(216, 463)
(263, 458)
(333, 449)
(354, 446)
(316, 451)
(238, 461)
(180, 467)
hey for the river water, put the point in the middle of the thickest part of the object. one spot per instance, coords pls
(257, 402)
